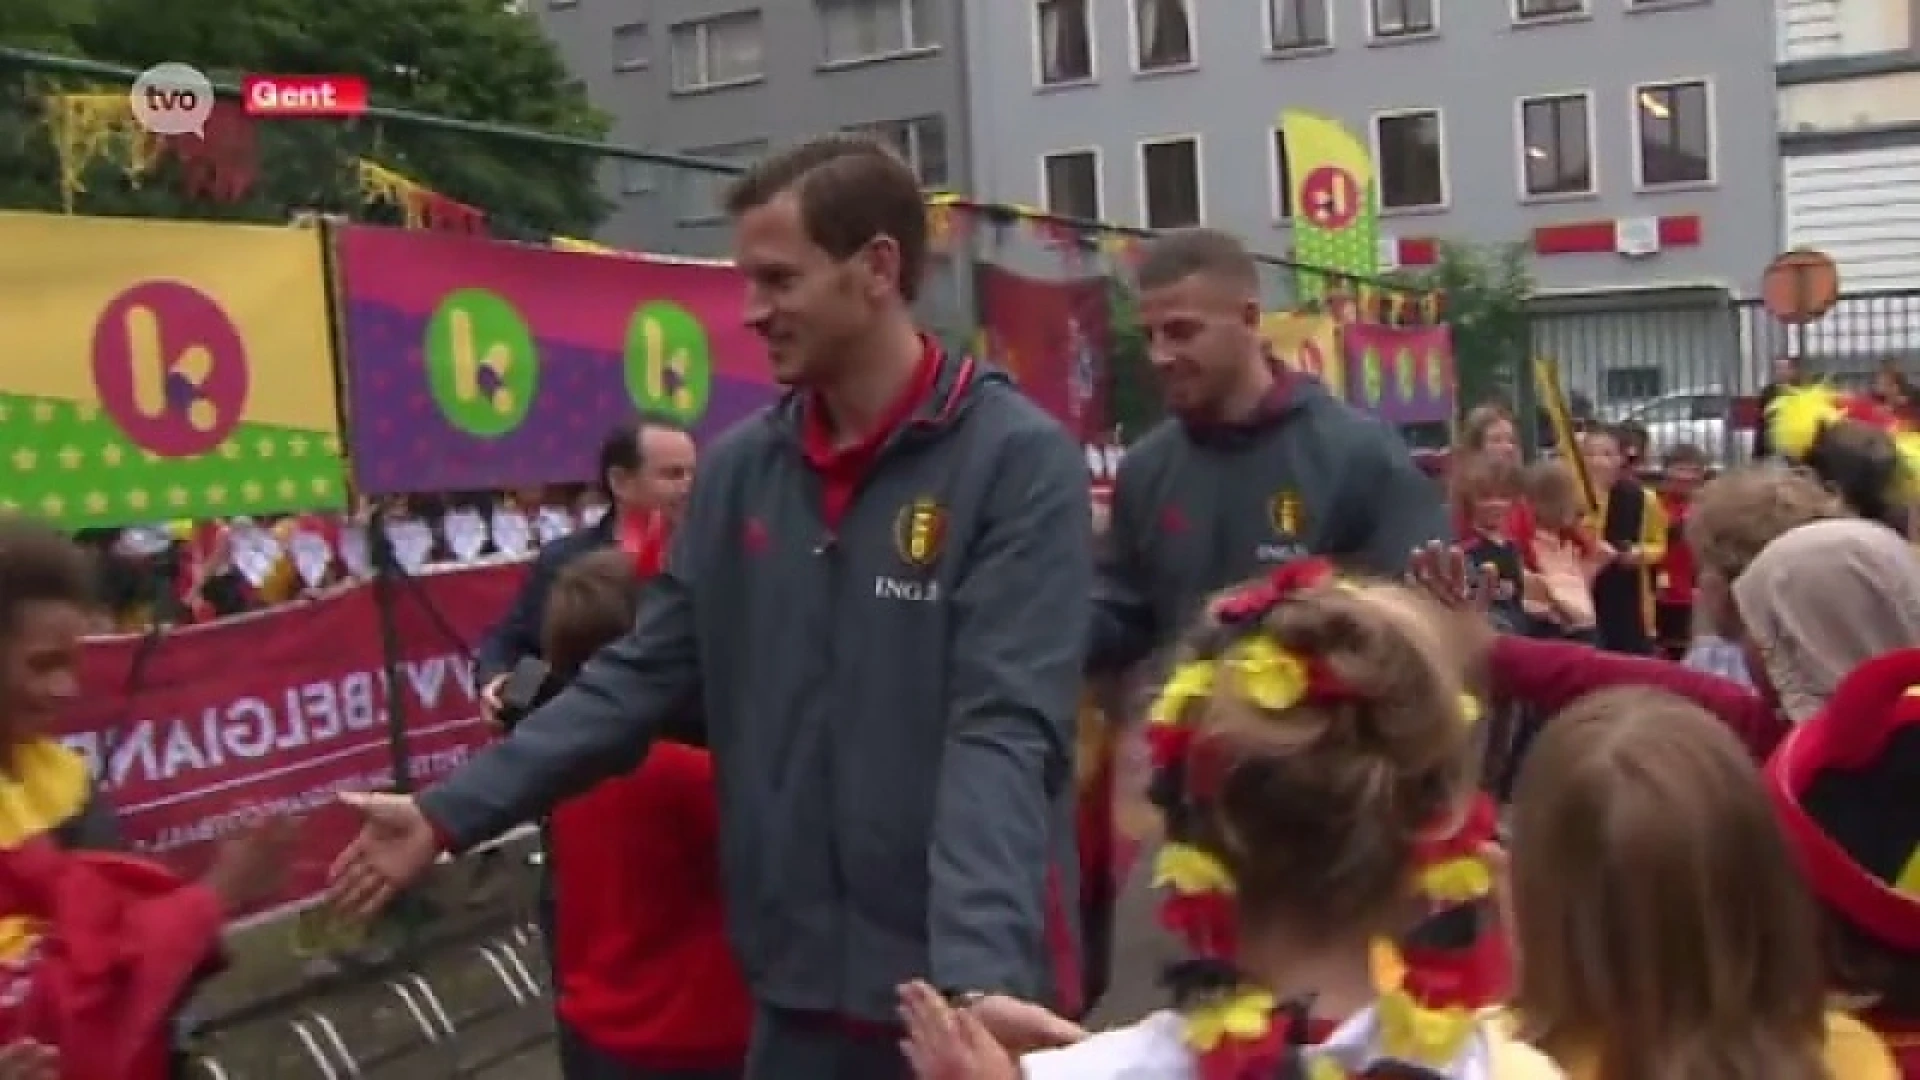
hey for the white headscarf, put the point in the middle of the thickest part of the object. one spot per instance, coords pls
(1824, 598)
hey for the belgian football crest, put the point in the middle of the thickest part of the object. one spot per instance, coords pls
(1283, 513)
(920, 532)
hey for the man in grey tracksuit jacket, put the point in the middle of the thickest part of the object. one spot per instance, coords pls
(889, 702)
(1198, 507)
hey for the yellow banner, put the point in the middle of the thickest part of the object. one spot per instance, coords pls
(1546, 379)
(1335, 222)
(1308, 342)
(152, 370)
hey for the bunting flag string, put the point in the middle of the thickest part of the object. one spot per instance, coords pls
(223, 165)
(420, 207)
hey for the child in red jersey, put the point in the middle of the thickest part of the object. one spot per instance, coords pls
(647, 986)
(1683, 470)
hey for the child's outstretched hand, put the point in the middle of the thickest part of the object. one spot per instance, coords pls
(945, 1043)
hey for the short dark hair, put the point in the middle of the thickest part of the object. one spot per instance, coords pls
(594, 599)
(1182, 253)
(621, 448)
(851, 189)
(39, 564)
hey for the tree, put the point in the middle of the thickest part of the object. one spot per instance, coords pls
(1134, 398)
(473, 60)
(1485, 290)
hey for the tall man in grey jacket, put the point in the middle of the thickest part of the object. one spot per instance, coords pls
(867, 596)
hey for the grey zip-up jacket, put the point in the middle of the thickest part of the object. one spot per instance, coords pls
(889, 703)
(1197, 511)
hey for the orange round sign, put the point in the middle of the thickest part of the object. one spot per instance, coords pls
(1800, 286)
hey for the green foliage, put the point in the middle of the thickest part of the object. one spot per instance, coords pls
(1486, 290)
(465, 59)
(1134, 401)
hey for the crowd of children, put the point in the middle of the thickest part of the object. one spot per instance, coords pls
(1592, 550)
(1700, 878)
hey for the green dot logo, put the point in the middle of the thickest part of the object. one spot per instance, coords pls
(669, 362)
(481, 363)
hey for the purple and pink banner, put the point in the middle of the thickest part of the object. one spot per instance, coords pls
(477, 364)
(1402, 374)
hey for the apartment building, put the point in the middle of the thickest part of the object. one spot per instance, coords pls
(1628, 143)
(729, 79)
(1849, 75)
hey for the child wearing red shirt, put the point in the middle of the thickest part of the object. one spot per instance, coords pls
(647, 986)
(1684, 469)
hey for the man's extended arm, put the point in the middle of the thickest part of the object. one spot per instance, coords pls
(603, 722)
(1123, 629)
(1016, 659)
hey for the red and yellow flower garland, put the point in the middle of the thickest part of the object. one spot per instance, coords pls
(1426, 1010)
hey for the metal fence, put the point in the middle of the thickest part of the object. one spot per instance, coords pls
(1681, 362)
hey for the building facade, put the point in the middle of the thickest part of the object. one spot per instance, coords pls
(1579, 127)
(1849, 77)
(729, 79)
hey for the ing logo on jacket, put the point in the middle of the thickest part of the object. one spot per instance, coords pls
(1285, 518)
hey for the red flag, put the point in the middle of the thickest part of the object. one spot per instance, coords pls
(99, 949)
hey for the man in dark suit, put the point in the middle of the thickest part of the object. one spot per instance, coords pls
(645, 471)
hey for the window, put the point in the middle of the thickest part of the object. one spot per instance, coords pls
(1282, 178)
(1673, 125)
(632, 48)
(1556, 144)
(703, 192)
(1064, 38)
(1412, 170)
(1530, 10)
(922, 140)
(1162, 34)
(1637, 383)
(1403, 18)
(1298, 24)
(865, 29)
(1071, 179)
(720, 51)
(1170, 183)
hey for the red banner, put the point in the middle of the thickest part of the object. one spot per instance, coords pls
(192, 733)
(1053, 337)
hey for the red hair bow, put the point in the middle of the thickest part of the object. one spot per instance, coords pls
(1257, 598)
